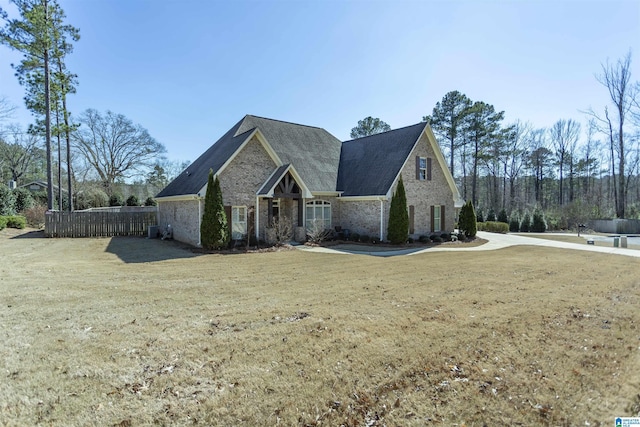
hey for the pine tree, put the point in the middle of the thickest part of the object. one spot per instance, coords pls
(214, 229)
(43, 38)
(398, 227)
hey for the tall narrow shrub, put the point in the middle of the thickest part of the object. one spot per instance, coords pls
(398, 228)
(502, 216)
(538, 225)
(7, 201)
(514, 223)
(525, 225)
(491, 216)
(468, 220)
(214, 229)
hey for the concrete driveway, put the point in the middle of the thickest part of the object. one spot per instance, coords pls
(494, 241)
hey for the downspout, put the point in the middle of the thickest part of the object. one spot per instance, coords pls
(381, 217)
(199, 222)
(257, 219)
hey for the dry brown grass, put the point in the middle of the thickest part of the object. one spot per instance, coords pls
(129, 331)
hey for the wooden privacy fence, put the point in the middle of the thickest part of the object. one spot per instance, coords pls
(97, 223)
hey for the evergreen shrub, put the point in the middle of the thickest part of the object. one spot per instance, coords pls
(7, 201)
(538, 225)
(23, 199)
(514, 223)
(491, 216)
(132, 200)
(468, 220)
(525, 225)
(502, 216)
(214, 229)
(398, 227)
(496, 227)
(116, 200)
(16, 221)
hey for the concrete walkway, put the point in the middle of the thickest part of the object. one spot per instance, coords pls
(494, 241)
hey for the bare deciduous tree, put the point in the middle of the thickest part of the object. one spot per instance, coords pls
(623, 93)
(114, 146)
(6, 108)
(564, 136)
(17, 150)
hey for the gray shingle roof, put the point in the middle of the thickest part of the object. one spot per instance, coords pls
(192, 179)
(275, 178)
(360, 167)
(369, 165)
(314, 152)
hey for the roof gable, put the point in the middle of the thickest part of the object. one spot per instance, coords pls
(370, 165)
(314, 152)
(192, 179)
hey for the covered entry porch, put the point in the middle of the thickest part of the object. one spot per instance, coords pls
(281, 207)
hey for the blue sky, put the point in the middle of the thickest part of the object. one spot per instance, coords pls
(189, 70)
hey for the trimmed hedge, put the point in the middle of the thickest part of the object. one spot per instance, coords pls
(494, 227)
(13, 221)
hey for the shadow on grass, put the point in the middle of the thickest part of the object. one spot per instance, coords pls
(34, 234)
(140, 250)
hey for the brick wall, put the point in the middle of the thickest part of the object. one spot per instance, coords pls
(183, 217)
(423, 194)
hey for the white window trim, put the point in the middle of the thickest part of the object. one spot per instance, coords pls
(423, 170)
(314, 203)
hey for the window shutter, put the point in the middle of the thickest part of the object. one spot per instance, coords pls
(411, 219)
(251, 222)
(227, 212)
(428, 168)
(442, 221)
(432, 218)
(418, 168)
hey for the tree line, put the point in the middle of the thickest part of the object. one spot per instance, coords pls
(89, 156)
(572, 170)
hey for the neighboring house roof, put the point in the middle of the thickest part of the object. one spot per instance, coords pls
(39, 183)
(370, 165)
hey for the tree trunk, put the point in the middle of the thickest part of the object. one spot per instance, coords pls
(47, 117)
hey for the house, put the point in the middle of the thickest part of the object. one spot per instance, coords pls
(270, 169)
(39, 185)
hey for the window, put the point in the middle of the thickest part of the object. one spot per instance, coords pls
(423, 169)
(238, 222)
(436, 218)
(318, 210)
